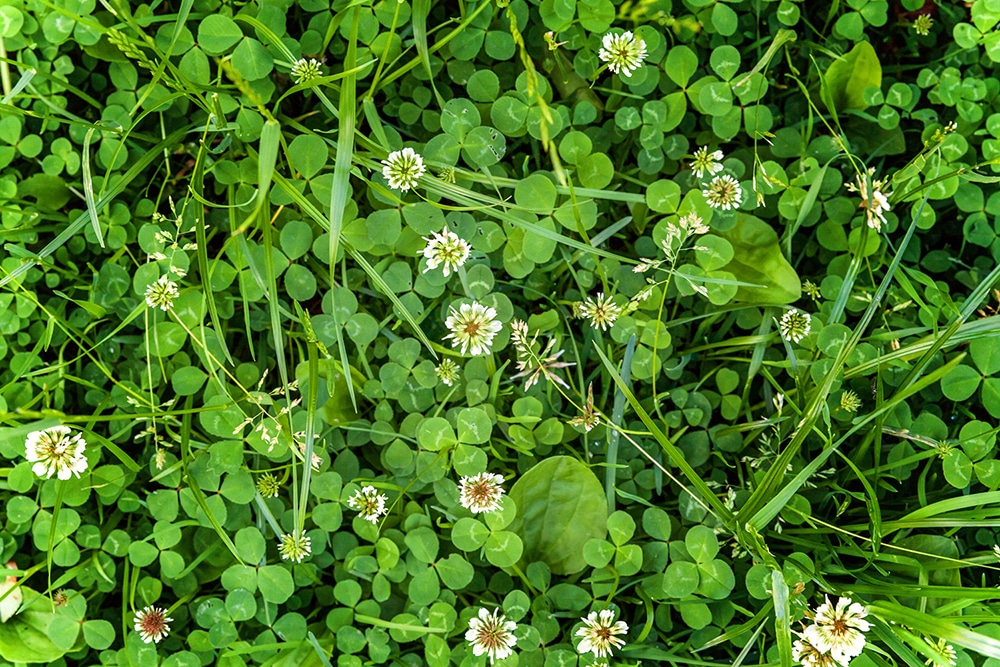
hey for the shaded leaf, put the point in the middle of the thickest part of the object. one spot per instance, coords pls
(845, 81)
(757, 259)
(561, 506)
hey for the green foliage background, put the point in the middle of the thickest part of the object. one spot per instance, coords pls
(727, 486)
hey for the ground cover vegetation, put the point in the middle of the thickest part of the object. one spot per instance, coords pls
(520, 332)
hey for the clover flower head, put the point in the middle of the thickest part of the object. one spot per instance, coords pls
(447, 372)
(922, 25)
(268, 485)
(948, 656)
(622, 52)
(473, 327)
(306, 70)
(808, 655)
(602, 312)
(294, 546)
(849, 401)
(403, 169)
(152, 624)
(445, 248)
(706, 162)
(839, 629)
(794, 325)
(161, 293)
(55, 452)
(447, 174)
(723, 192)
(491, 634)
(481, 493)
(600, 633)
(369, 503)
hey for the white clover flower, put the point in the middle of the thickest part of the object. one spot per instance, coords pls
(723, 192)
(447, 372)
(473, 327)
(794, 325)
(55, 452)
(161, 293)
(839, 630)
(369, 503)
(876, 204)
(306, 70)
(445, 248)
(481, 493)
(599, 634)
(403, 168)
(491, 634)
(623, 53)
(601, 312)
(294, 546)
(152, 624)
(809, 656)
(707, 163)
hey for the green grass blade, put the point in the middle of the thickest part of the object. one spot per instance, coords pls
(267, 158)
(342, 185)
(204, 271)
(618, 413)
(26, 77)
(88, 187)
(767, 491)
(949, 505)
(933, 626)
(319, 650)
(421, 8)
(782, 621)
(780, 498)
(376, 279)
(312, 398)
(117, 187)
(676, 456)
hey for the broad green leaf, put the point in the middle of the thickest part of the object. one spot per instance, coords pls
(99, 634)
(24, 638)
(503, 548)
(276, 584)
(957, 469)
(251, 60)
(847, 78)
(218, 33)
(960, 383)
(681, 65)
(561, 506)
(758, 260)
(680, 579)
(469, 534)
